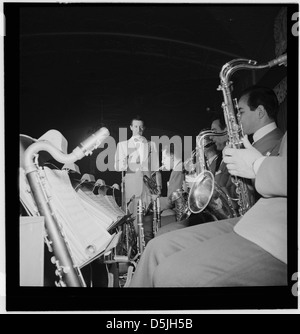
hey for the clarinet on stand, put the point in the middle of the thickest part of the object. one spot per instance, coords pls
(155, 214)
(123, 204)
(141, 240)
(158, 213)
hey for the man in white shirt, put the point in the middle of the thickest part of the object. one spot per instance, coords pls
(247, 251)
(136, 157)
(258, 107)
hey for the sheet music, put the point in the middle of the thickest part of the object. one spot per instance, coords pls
(100, 207)
(112, 244)
(81, 228)
(118, 211)
(99, 211)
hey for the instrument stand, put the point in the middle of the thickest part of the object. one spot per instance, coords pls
(119, 262)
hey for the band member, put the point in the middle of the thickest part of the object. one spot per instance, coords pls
(171, 161)
(212, 155)
(258, 108)
(247, 251)
(136, 157)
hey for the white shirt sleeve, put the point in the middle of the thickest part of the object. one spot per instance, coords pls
(257, 163)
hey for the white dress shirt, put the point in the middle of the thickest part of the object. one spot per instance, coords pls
(263, 131)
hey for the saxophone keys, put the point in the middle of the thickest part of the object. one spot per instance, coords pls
(66, 269)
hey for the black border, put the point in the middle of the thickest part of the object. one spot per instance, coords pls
(102, 299)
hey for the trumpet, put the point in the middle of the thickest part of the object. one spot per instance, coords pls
(151, 183)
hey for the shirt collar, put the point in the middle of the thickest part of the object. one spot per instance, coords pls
(264, 131)
(136, 139)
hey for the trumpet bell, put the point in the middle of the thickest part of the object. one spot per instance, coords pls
(201, 192)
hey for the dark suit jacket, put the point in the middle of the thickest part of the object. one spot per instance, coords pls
(176, 180)
(269, 144)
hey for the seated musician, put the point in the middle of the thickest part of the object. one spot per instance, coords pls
(171, 160)
(258, 108)
(244, 251)
(212, 155)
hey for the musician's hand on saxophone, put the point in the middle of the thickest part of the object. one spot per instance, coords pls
(240, 162)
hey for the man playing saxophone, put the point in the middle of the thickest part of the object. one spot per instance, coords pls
(258, 108)
(244, 251)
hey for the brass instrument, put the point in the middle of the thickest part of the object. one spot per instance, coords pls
(68, 273)
(234, 128)
(151, 183)
(192, 165)
(179, 199)
(205, 193)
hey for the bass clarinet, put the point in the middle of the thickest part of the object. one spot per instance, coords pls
(68, 274)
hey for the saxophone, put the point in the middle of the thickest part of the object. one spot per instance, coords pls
(205, 193)
(67, 272)
(234, 127)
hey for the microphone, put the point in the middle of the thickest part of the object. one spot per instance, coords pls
(281, 60)
(91, 143)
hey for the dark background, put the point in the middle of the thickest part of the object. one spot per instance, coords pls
(75, 68)
(87, 66)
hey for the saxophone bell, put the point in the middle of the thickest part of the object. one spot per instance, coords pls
(205, 193)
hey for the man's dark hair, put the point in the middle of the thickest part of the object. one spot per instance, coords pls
(258, 95)
(137, 118)
(220, 118)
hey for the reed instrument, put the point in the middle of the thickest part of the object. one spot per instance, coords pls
(205, 193)
(232, 118)
(140, 237)
(155, 218)
(68, 274)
